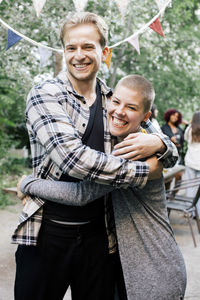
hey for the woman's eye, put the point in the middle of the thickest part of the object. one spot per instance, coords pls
(115, 101)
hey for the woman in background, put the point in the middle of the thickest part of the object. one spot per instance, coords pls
(153, 118)
(192, 158)
(171, 128)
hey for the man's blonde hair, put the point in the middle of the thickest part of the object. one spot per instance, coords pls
(86, 18)
(137, 82)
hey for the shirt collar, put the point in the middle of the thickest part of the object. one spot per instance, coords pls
(62, 77)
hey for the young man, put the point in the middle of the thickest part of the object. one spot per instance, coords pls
(66, 121)
(152, 263)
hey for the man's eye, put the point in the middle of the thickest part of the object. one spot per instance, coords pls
(131, 108)
(89, 47)
(70, 48)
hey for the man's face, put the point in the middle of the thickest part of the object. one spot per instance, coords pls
(83, 52)
(126, 111)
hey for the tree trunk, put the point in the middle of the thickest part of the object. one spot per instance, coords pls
(58, 63)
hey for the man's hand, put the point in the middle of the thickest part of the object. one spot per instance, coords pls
(155, 168)
(20, 195)
(139, 145)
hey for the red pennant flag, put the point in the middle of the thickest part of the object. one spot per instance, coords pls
(156, 26)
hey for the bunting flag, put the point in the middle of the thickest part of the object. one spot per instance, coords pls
(108, 59)
(80, 4)
(134, 41)
(38, 5)
(156, 26)
(45, 54)
(122, 6)
(13, 38)
(160, 4)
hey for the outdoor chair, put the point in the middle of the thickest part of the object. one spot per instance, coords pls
(187, 205)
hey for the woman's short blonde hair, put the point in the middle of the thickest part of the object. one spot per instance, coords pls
(86, 18)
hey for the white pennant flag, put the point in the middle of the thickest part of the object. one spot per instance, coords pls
(45, 54)
(38, 5)
(160, 4)
(122, 6)
(135, 43)
(80, 4)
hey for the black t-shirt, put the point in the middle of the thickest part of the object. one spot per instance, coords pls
(94, 138)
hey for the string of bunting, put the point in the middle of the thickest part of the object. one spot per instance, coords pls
(45, 51)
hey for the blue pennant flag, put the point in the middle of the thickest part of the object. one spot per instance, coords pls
(13, 38)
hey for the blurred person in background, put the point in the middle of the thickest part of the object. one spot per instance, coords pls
(192, 158)
(171, 128)
(153, 118)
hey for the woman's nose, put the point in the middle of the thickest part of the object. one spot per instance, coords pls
(120, 111)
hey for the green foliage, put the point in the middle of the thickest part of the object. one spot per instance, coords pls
(4, 199)
(12, 169)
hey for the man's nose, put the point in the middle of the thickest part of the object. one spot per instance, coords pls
(80, 54)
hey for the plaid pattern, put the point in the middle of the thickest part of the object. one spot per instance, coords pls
(170, 157)
(56, 120)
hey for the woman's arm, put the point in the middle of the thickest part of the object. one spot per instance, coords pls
(68, 193)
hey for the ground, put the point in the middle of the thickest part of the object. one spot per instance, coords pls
(8, 221)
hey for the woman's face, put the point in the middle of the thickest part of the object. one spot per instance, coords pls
(174, 118)
(126, 111)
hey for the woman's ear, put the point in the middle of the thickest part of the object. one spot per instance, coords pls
(147, 116)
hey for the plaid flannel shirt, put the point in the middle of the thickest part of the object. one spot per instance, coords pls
(56, 120)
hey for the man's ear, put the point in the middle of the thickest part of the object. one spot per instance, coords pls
(147, 116)
(105, 53)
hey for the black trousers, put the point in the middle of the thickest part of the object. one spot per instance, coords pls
(65, 255)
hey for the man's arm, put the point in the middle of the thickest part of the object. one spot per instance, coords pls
(140, 145)
(50, 123)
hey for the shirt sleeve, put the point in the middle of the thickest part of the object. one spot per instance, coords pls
(68, 193)
(52, 127)
(170, 156)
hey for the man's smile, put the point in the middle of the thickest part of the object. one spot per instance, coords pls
(81, 66)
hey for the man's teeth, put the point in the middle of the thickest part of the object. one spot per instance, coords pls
(119, 122)
(80, 66)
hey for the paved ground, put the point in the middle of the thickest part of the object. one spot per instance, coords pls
(8, 220)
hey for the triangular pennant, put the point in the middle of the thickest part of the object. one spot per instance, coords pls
(160, 4)
(122, 6)
(38, 5)
(135, 43)
(13, 38)
(108, 59)
(45, 54)
(156, 26)
(80, 4)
